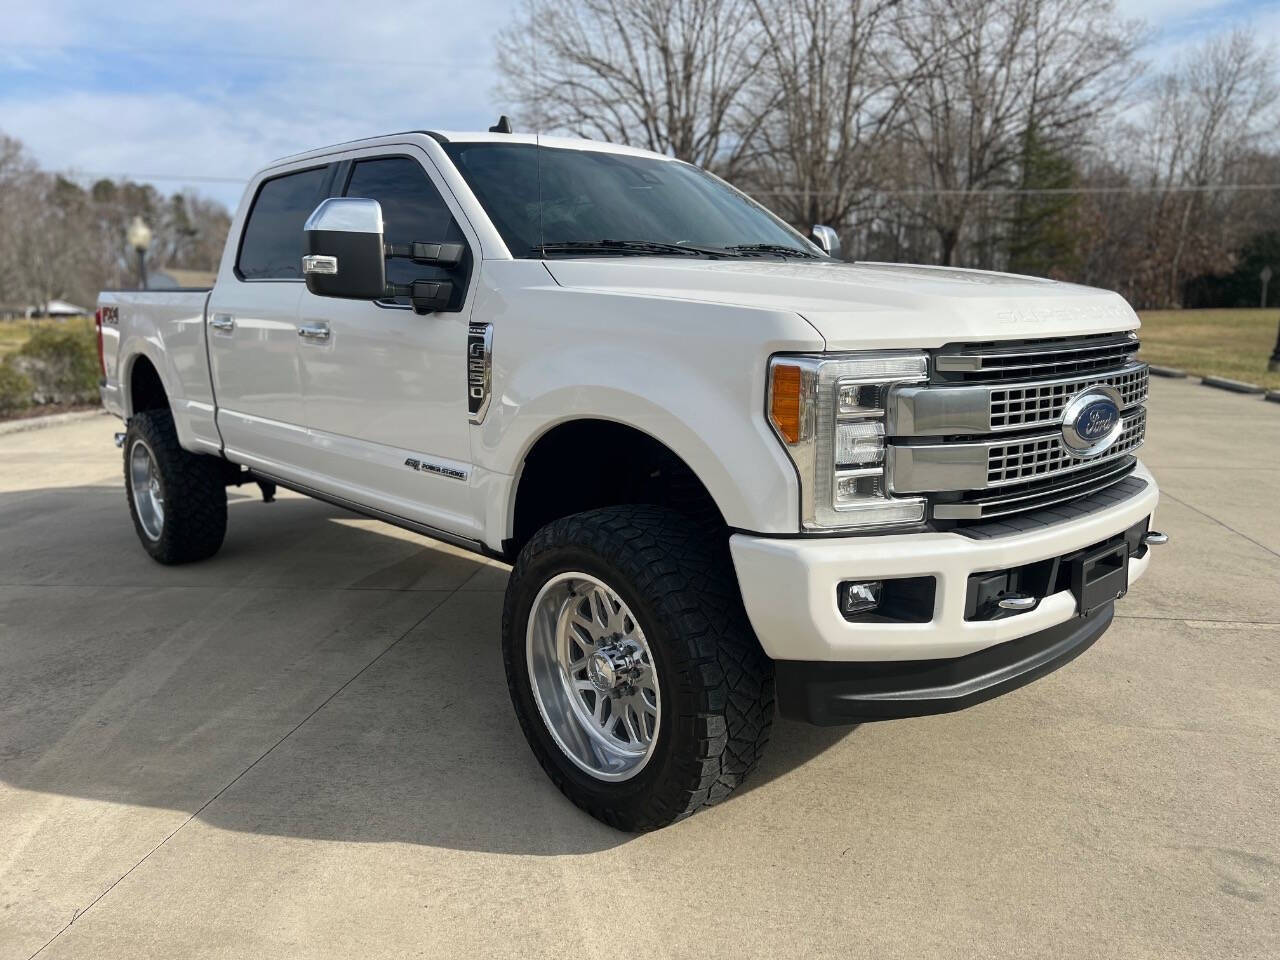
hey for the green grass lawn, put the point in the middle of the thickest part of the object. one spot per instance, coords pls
(1222, 343)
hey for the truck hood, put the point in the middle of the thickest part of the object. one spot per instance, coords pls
(862, 305)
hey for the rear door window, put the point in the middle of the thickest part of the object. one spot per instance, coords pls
(271, 248)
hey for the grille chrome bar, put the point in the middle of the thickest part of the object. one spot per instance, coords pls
(1037, 495)
(946, 410)
(984, 464)
(997, 362)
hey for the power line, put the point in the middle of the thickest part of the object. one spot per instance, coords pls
(223, 53)
(1030, 191)
(918, 192)
(94, 175)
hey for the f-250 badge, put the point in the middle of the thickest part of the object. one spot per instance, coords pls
(479, 369)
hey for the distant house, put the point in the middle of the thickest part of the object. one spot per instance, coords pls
(59, 309)
(175, 278)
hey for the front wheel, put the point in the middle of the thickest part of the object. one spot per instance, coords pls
(632, 667)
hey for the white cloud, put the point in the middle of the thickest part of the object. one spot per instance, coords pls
(220, 90)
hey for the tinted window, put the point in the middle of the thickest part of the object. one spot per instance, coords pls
(538, 195)
(412, 209)
(272, 244)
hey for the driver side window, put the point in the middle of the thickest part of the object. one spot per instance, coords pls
(412, 209)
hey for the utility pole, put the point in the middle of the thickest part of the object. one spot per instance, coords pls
(1274, 363)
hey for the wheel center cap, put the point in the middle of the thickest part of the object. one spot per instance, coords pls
(602, 671)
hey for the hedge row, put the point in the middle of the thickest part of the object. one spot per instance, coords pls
(57, 365)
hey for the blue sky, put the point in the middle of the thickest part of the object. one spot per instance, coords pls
(207, 90)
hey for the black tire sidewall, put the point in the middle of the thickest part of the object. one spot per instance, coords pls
(143, 427)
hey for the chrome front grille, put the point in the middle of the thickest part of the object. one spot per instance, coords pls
(1047, 455)
(983, 439)
(1036, 403)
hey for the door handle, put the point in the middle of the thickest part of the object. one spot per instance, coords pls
(222, 322)
(314, 331)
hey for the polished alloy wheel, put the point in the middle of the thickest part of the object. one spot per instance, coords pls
(593, 676)
(148, 495)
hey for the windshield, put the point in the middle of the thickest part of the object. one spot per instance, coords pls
(542, 198)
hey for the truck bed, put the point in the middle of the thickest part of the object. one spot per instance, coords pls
(163, 330)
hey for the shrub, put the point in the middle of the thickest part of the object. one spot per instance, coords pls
(61, 363)
(15, 388)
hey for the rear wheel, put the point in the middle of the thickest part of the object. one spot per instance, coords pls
(178, 500)
(632, 667)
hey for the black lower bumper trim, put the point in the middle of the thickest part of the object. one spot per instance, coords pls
(829, 693)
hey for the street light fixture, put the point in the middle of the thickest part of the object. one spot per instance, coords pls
(139, 237)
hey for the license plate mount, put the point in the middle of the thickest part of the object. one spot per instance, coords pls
(1101, 576)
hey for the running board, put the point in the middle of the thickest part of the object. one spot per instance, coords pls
(426, 530)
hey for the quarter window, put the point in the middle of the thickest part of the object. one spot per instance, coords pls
(271, 248)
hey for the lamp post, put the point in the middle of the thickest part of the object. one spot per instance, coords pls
(139, 237)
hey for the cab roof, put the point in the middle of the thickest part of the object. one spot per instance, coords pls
(470, 136)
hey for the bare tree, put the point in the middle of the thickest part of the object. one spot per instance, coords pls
(830, 96)
(1208, 116)
(666, 75)
(985, 72)
(61, 241)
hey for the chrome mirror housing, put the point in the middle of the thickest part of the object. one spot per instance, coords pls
(344, 252)
(827, 239)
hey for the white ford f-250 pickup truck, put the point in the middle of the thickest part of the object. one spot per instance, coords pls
(728, 468)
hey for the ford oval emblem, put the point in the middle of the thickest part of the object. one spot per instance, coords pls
(1091, 421)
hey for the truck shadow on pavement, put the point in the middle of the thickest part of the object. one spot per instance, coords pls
(323, 677)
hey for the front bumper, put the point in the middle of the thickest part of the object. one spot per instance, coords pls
(827, 694)
(789, 586)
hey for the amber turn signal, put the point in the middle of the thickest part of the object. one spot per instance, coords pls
(785, 401)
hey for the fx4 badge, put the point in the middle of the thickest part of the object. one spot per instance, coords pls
(479, 369)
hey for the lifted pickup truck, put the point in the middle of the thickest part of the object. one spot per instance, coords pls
(727, 468)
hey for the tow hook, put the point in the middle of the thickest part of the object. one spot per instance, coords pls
(119, 438)
(1154, 538)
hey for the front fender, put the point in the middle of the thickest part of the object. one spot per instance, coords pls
(690, 375)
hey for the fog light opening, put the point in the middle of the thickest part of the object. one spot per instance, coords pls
(859, 596)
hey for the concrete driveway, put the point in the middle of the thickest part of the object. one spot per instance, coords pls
(304, 748)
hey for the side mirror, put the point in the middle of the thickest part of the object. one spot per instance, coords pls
(827, 239)
(344, 252)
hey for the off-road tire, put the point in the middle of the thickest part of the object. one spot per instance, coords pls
(194, 489)
(716, 681)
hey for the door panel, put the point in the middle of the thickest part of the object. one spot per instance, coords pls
(386, 390)
(257, 374)
(252, 325)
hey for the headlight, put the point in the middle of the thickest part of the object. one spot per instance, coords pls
(828, 411)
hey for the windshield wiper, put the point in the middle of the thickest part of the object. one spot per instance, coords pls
(780, 249)
(634, 247)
